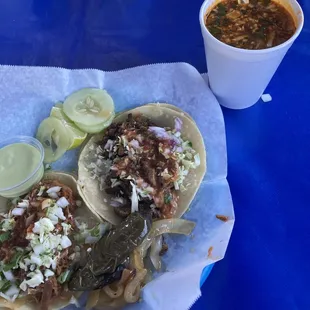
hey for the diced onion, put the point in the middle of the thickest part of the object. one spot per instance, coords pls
(48, 273)
(62, 202)
(23, 286)
(36, 260)
(6, 297)
(36, 278)
(23, 204)
(54, 189)
(13, 290)
(65, 242)
(9, 275)
(197, 160)
(18, 211)
(53, 195)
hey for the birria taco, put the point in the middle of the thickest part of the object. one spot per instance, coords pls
(38, 245)
(151, 159)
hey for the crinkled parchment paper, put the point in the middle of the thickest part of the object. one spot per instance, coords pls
(26, 97)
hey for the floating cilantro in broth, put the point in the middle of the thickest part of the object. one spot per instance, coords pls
(4, 236)
(258, 24)
(266, 2)
(215, 31)
(221, 9)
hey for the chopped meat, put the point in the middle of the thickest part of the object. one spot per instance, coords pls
(46, 295)
(122, 211)
(149, 171)
(146, 159)
(18, 238)
(164, 249)
(20, 274)
(5, 252)
(223, 218)
(62, 262)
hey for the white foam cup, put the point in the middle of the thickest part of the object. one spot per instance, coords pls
(238, 77)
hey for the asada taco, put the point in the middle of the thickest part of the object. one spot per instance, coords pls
(151, 159)
(39, 246)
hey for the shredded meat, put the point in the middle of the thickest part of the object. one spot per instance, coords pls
(149, 164)
(19, 233)
(23, 225)
(6, 252)
(63, 262)
(17, 239)
(46, 294)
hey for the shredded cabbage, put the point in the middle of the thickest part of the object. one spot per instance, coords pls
(134, 199)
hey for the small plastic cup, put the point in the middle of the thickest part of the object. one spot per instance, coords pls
(23, 186)
(238, 77)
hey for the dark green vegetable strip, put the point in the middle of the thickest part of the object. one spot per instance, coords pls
(5, 236)
(4, 285)
(14, 261)
(65, 276)
(215, 31)
(221, 9)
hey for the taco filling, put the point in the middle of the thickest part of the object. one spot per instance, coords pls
(143, 167)
(37, 247)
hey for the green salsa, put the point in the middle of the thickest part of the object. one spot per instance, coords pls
(17, 162)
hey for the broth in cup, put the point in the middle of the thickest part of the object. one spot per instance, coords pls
(258, 24)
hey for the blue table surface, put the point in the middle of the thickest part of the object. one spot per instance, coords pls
(267, 261)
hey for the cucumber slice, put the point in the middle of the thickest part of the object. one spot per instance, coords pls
(59, 104)
(52, 133)
(89, 106)
(95, 128)
(76, 135)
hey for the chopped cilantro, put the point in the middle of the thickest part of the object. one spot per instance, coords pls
(5, 236)
(167, 198)
(14, 261)
(4, 285)
(221, 9)
(215, 31)
(65, 276)
(95, 232)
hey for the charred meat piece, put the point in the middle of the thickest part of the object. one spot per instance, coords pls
(139, 155)
(85, 280)
(115, 247)
(111, 251)
(123, 212)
